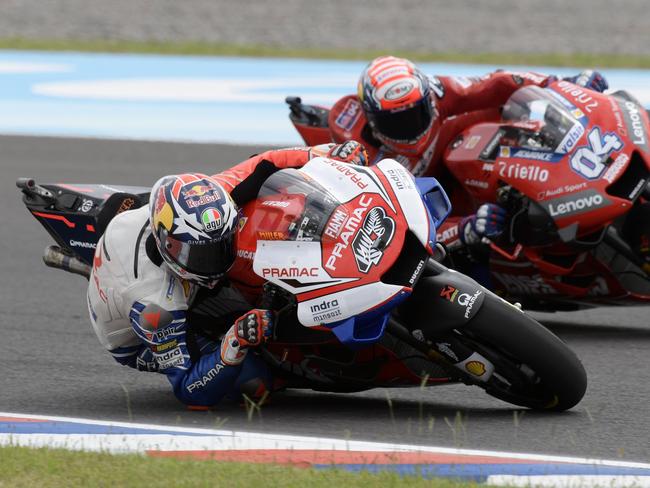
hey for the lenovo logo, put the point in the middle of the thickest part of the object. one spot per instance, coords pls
(577, 203)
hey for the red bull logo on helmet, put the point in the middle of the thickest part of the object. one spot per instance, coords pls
(198, 195)
(211, 219)
(196, 191)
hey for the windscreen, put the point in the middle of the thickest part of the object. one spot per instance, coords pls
(303, 201)
(558, 130)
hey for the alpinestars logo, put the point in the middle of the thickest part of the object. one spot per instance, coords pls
(374, 236)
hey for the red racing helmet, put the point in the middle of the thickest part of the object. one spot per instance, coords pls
(397, 100)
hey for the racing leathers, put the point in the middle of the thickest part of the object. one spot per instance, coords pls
(140, 309)
(459, 103)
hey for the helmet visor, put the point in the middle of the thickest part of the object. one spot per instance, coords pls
(403, 125)
(209, 259)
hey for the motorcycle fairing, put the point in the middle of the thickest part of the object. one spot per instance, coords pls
(340, 305)
(330, 264)
(561, 227)
(73, 214)
(347, 181)
(550, 178)
(336, 278)
(367, 328)
(388, 173)
(437, 203)
(296, 266)
(601, 276)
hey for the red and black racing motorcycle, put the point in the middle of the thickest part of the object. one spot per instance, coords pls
(572, 168)
(347, 256)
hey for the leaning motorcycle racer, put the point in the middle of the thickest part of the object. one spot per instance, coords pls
(151, 264)
(401, 113)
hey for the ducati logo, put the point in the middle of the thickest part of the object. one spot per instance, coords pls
(373, 237)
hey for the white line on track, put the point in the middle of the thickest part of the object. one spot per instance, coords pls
(228, 439)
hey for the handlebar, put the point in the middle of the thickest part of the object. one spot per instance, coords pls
(31, 188)
(25, 183)
(300, 110)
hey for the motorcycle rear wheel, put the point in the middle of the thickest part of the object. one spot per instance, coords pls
(533, 367)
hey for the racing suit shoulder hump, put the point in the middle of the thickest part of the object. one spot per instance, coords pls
(346, 120)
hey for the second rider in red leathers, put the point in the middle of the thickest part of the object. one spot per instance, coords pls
(401, 113)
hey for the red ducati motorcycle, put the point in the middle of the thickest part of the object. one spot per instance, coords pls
(572, 168)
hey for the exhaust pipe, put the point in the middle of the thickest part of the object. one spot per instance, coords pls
(54, 257)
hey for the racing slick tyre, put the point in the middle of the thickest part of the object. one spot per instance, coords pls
(533, 367)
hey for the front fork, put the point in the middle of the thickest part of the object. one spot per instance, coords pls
(457, 300)
(464, 358)
(448, 351)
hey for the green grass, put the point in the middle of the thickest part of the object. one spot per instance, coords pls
(201, 48)
(24, 467)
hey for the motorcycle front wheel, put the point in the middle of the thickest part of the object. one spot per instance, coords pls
(533, 367)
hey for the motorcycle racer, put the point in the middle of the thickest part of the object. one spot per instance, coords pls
(154, 263)
(400, 112)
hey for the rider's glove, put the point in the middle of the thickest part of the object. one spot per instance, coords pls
(249, 330)
(254, 327)
(351, 152)
(487, 222)
(591, 79)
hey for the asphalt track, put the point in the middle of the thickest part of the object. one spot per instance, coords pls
(51, 362)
